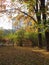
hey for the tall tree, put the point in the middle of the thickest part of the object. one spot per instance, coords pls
(35, 6)
(43, 10)
(38, 15)
(39, 9)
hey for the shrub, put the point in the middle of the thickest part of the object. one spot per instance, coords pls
(32, 37)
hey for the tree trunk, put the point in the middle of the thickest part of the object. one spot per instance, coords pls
(44, 21)
(39, 39)
(38, 15)
(21, 43)
(47, 40)
(43, 11)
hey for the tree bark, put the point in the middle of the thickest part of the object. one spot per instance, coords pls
(47, 40)
(44, 21)
(39, 39)
(38, 15)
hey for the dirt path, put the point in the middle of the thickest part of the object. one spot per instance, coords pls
(21, 56)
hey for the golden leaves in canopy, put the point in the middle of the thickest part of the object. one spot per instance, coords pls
(19, 16)
(27, 21)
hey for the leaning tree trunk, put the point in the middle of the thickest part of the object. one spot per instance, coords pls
(38, 15)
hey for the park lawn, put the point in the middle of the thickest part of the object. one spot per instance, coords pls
(23, 56)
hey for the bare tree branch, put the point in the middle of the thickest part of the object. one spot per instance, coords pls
(20, 11)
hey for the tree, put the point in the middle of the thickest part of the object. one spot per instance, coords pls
(43, 11)
(38, 15)
(45, 23)
(20, 36)
(38, 7)
(31, 6)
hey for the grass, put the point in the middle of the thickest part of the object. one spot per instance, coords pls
(23, 56)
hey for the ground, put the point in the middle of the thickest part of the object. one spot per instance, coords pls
(23, 56)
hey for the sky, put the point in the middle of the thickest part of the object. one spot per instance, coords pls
(5, 23)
